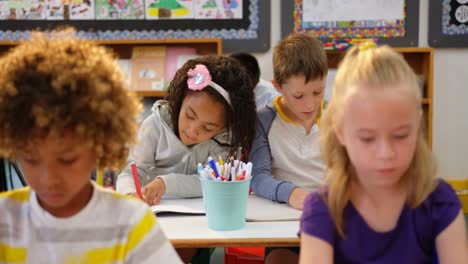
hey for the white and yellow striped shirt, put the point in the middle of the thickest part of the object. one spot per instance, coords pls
(111, 228)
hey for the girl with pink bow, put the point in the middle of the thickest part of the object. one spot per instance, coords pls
(209, 111)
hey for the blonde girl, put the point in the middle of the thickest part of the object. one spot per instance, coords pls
(382, 202)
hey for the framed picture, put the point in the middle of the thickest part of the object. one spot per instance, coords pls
(240, 23)
(448, 23)
(393, 22)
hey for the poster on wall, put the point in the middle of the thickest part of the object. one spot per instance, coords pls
(124, 9)
(218, 9)
(194, 9)
(169, 9)
(23, 9)
(70, 9)
(393, 22)
(121, 9)
(243, 25)
(448, 23)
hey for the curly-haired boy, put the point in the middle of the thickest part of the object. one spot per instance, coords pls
(64, 109)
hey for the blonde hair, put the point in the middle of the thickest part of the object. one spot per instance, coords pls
(369, 67)
(57, 83)
(299, 54)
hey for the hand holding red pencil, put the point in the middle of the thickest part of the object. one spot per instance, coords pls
(136, 180)
(154, 191)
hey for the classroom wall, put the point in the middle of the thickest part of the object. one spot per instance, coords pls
(450, 124)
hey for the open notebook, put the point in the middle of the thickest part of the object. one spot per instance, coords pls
(258, 209)
(263, 210)
(192, 206)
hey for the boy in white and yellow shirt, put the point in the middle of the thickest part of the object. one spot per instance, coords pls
(64, 109)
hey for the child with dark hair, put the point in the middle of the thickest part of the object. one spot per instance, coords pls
(64, 109)
(210, 111)
(264, 90)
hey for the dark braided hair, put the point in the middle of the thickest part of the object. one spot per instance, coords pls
(232, 76)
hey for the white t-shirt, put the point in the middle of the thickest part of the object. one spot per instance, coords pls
(111, 228)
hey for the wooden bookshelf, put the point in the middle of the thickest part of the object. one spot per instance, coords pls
(422, 62)
(123, 50)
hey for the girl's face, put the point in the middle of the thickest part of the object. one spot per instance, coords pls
(59, 169)
(200, 118)
(379, 130)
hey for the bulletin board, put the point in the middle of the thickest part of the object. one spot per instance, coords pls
(448, 23)
(240, 23)
(392, 22)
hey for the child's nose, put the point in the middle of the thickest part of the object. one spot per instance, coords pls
(49, 176)
(312, 103)
(194, 131)
(385, 150)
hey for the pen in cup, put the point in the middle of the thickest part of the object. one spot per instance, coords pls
(212, 164)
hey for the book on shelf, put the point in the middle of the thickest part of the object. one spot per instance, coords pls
(126, 67)
(148, 66)
(175, 58)
(176, 64)
(151, 68)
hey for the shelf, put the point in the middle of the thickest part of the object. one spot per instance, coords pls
(160, 94)
(123, 48)
(202, 45)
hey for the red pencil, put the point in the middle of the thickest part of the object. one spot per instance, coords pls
(135, 179)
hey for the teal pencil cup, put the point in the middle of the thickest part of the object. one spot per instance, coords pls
(225, 203)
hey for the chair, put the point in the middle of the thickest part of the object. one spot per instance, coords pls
(244, 255)
(11, 176)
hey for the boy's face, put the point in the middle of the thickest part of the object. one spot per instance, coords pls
(302, 100)
(200, 118)
(59, 169)
(379, 130)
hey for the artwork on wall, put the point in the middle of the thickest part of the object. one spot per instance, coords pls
(393, 22)
(116, 10)
(69, 10)
(448, 23)
(240, 23)
(120, 9)
(23, 9)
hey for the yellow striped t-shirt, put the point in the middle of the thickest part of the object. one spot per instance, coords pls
(111, 228)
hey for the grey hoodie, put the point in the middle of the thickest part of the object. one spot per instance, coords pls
(160, 153)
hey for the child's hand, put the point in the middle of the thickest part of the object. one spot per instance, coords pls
(153, 191)
(297, 197)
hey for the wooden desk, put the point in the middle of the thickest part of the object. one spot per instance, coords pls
(193, 231)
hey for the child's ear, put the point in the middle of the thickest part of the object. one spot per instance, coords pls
(339, 133)
(276, 85)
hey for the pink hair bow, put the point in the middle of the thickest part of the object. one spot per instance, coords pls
(200, 77)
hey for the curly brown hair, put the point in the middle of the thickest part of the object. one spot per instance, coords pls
(232, 76)
(52, 84)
